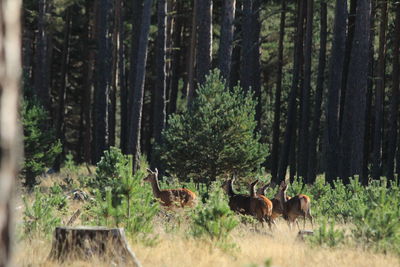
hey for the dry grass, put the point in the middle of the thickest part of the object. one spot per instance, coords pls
(177, 250)
(174, 249)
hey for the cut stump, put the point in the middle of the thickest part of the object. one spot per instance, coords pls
(86, 243)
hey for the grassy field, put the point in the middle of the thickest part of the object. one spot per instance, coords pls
(247, 245)
(174, 249)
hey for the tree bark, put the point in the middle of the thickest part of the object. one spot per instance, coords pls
(353, 125)
(292, 106)
(10, 130)
(137, 7)
(41, 89)
(315, 129)
(332, 128)
(305, 112)
(394, 98)
(204, 40)
(137, 105)
(192, 54)
(379, 95)
(278, 95)
(60, 124)
(234, 74)
(226, 38)
(102, 89)
(176, 58)
(160, 88)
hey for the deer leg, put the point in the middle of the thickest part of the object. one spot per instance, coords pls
(304, 221)
(297, 222)
(311, 219)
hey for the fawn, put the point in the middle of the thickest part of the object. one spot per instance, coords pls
(237, 202)
(181, 197)
(260, 206)
(294, 207)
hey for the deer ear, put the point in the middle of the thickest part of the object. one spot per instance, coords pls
(149, 171)
(156, 171)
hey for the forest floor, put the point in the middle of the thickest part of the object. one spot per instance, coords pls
(173, 247)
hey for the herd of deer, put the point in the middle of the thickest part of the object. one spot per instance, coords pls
(255, 204)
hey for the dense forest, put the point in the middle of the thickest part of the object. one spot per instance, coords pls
(180, 128)
(324, 74)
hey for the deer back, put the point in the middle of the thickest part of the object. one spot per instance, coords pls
(177, 197)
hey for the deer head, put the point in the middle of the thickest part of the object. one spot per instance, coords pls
(152, 176)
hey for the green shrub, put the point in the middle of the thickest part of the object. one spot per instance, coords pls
(40, 144)
(215, 136)
(327, 236)
(121, 200)
(214, 219)
(40, 216)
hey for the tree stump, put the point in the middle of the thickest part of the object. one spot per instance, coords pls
(85, 243)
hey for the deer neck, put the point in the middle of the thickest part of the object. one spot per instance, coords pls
(156, 188)
(252, 191)
(230, 189)
(282, 199)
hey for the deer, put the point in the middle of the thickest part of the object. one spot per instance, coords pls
(181, 197)
(237, 202)
(299, 205)
(276, 204)
(260, 206)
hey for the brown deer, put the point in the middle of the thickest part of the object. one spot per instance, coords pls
(299, 205)
(237, 202)
(276, 204)
(181, 197)
(260, 206)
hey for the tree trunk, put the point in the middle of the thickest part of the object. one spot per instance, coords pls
(379, 95)
(353, 125)
(136, 28)
(394, 99)
(84, 243)
(315, 129)
(204, 40)
(305, 112)
(250, 61)
(176, 58)
(102, 89)
(192, 54)
(349, 46)
(334, 90)
(10, 130)
(234, 74)
(226, 38)
(291, 114)
(60, 122)
(159, 114)
(123, 89)
(42, 91)
(278, 94)
(137, 105)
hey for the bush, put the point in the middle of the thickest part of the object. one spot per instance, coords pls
(121, 200)
(39, 217)
(327, 236)
(214, 219)
(40, 144)
(215, 136)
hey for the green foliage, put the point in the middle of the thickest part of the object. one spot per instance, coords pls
(121, 200)
(215, 136)
(214, 219)
(39, 217)
(40, 145)
(327, 236)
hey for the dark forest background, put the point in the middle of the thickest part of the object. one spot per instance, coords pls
(325, 75)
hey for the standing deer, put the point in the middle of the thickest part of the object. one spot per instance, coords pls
(260, 206)
(299, 205)
(276, 204)
(181, 197)
(237, 202)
